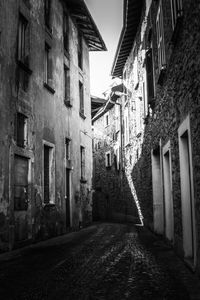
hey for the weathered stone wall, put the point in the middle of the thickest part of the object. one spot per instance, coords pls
(176, 98)
(49, 120)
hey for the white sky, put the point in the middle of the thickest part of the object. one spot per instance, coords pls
(107, 15)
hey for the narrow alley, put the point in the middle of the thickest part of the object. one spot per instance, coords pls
(103, 261)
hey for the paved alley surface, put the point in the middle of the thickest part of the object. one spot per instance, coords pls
(104, 261)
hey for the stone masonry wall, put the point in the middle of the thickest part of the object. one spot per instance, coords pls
(176, 97)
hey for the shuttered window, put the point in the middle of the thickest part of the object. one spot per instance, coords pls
(47, 11)
(150, 78)
(23, 40)
(81, 98)
(21, 130)
(66, 84)
(80, 51)
(66, 32)
(20, 183)
(160, 39)
(82, 162)
(48, 72)
(46, 173)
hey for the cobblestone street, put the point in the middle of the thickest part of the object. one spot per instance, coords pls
(104, 261)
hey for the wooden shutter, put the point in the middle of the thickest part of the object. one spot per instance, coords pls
(46, 174)
(150, 81)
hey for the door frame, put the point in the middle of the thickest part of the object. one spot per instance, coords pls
(168, 193)
(185, 128)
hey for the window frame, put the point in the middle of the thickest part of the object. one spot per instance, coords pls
(108, 161)
(66, 31)
(107, 119)
(21, 130)
(80, 50)
(81, 98)
(51, 199)
(160, 39)
(176, 11)
(83, 164)
(23, 40)
(66, 85)
(47, 13)
(126, 126)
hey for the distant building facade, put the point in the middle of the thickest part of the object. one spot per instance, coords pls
(45, 118)
(112, 198)
(159, 64)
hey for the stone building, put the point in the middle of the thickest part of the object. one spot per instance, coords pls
(159, 65)
(45, 118)
(113, 197)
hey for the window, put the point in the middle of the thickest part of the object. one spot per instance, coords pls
(107, 119)
(67, 148)
(81, 98)
(21, 166)
(126, 126)
(47, 12)
(23, 41)
(49, 172)
(46, 174)
(108, 159)
(150, 76)
(66, 85)
(177, 10)
(138, 116)
(135, 73)
(117, 158)
(117, 117)
(21, 130)
(157, 188)
(48, 66)
(160, 39)
(144, 95)
(66, 32)
(80, 51)
(82, 163)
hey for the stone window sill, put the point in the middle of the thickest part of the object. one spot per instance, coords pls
(49, 88)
